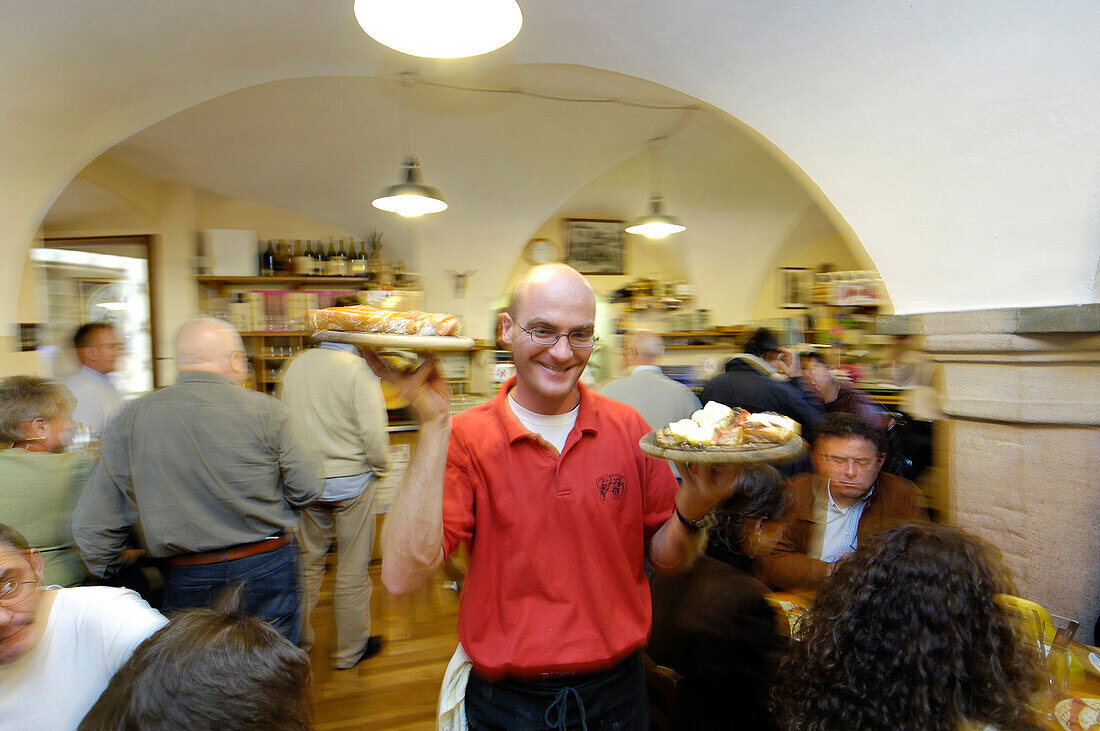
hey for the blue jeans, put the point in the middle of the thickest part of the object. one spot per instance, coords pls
(272, 587)
(610, 699)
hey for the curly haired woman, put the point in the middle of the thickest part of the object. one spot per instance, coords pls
(907, 634)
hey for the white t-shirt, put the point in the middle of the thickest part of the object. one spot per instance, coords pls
(90, 633)
(554, 428)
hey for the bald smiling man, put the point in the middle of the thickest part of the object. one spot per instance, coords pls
(547, 484)
(207, 475)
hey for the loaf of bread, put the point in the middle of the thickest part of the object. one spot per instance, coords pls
(367, 319)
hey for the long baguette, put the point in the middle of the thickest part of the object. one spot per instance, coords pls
(367, 319)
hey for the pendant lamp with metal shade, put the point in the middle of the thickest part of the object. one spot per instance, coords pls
(657, 224)
(413, 197)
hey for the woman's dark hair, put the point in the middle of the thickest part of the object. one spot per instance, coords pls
(208, 669)
(907, 634)
(761, 343)
(759, 492)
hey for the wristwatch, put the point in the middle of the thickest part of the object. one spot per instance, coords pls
(694, 525)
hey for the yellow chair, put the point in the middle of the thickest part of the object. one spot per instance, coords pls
(1032, 617)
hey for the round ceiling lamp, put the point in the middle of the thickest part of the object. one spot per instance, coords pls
(657, 224)
(412, 198)
(440, 28)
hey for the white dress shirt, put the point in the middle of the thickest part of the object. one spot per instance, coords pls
(97, 400)
(841, 527)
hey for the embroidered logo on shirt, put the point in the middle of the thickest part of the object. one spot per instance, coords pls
(611, 483)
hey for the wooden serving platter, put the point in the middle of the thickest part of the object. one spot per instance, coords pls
(402, 342)
(745, 454)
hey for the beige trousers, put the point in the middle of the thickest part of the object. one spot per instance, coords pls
(351, 524)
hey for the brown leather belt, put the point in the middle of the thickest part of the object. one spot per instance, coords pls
(229, 554)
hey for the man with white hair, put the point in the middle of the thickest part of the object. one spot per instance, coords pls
(208, 475)
(659, 399)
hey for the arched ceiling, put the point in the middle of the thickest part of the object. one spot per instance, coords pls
(957, 140)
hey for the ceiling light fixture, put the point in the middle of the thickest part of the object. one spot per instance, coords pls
(413, 197)
(656, 224)
(440, 28)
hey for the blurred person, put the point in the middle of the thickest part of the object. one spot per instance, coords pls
(59, 647)
(39, 482)
(907, 634)
(212, 669)
(546, 475)
(98, 347)
(712, 623)
(338, 405)
(838, 395)
(748, 524)
(208, 474)
(659, 399)
(846, 502)
(765, 378)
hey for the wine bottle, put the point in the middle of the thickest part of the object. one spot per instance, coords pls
(282, 258)
(301, 261)
(358, 263)
(267, 261)
(341, 267)
(322, 259)
(330, 259)
(311, 260)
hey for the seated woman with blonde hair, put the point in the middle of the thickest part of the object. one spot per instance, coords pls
(907, 634)
(39, 482)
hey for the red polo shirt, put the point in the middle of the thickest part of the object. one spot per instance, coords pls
(556, 582)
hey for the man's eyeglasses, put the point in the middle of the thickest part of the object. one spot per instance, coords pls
(13, 592)
(546, 336)
(839, 461)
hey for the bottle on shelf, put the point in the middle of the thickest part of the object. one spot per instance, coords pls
(330, 259)
(357, 267)
(320, 258)
(267, 260)
(301, 262)
(282, 258)
(314, 264)
(340, 268)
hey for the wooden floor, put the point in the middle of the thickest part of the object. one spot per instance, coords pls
(399, 687)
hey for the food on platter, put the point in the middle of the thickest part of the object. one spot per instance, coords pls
(1078, 713)
(367, 319)
(718, 426)
(768, 428)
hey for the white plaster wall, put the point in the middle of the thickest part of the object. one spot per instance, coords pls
(957, 140)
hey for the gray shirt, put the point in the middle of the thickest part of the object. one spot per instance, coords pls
(198, 466)
(659, 399)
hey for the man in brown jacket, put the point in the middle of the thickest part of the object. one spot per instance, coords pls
(847, 501)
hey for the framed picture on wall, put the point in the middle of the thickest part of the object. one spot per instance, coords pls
(595, 246)
(796, 286)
